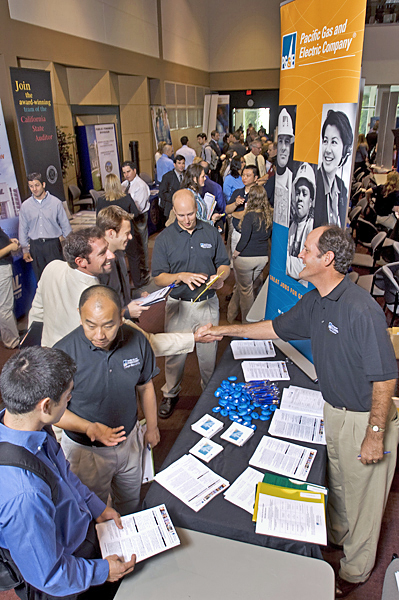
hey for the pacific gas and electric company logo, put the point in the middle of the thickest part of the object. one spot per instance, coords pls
(288, 51)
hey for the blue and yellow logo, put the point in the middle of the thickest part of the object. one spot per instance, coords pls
(288, 51)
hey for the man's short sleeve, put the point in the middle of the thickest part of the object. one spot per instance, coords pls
(160, 263)
(295, 323)
(149, 366)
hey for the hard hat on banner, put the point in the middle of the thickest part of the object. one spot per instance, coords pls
(285, 124)
(305, 171)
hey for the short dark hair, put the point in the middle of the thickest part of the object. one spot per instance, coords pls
(337, 240)
(34, 176)
(202, 135)
(339, 119)
(252, 168)
(179, 157)
(184, 140)
(100, 290)
(213, 132)
(129, 163)
(112, 217)
(237, 135)
(33, 374)
(235, 166)
(192, 171)
(78, 244)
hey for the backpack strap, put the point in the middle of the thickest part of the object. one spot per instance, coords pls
(13, 455)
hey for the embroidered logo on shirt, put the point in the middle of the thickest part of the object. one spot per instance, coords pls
(206, 245)
(333, 328)
(131, 362)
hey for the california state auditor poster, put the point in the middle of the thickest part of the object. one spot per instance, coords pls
(321, 55)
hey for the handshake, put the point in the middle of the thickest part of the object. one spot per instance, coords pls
(205, 334)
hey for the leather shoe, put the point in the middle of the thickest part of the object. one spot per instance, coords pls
(343, 588)
(167, 407)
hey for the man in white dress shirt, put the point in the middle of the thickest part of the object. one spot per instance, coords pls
(185, 150)
(140, 192)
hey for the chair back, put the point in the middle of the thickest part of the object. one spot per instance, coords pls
(365, 231)
(377, 242)
(395, 247)
(147, 178)
(95, 196)
(354, 215)
(74, 192)
(391, 286)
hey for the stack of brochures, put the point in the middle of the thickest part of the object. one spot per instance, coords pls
(207, 426)
(300, 416)
(292, 509)
(237, 434)
(206, 449)
(244, 349)
(284, 458)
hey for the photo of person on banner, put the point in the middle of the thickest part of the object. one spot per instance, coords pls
(335, 164)
(301, 221)
(283, 178)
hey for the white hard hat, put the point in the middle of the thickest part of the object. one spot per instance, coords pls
(305, 171)
(285, 124)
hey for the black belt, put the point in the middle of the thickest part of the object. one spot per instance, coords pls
(42, 240)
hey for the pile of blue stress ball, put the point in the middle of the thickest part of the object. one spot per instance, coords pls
(240, 401)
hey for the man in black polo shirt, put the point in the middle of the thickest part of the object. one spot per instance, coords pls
(114, 361)
(188, 252)
(357, 371)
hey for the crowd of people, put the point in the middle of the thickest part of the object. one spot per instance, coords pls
(95, 366)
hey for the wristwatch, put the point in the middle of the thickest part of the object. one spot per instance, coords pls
(376, 428)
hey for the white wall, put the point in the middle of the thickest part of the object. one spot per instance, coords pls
(128, 24)
(244, 36)
(185, 32)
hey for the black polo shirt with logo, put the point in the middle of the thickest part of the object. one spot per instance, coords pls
(176, 251)
(350, 344)
(105, 381)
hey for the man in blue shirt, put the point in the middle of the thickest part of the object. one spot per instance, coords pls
(165, 163)
(42, 221)
(53, 545)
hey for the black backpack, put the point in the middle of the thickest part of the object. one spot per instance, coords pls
(17, 456)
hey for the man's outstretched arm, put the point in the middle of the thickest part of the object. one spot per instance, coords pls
(254, 331)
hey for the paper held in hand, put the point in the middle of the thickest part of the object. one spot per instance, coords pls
(144, 534)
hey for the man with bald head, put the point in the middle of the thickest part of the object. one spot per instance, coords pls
(188, 253)
(114, 363)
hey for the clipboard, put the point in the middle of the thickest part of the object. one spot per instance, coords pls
(205, 286)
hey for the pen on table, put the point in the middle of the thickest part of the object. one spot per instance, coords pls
(386, 452)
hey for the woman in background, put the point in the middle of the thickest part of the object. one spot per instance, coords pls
(251, 254)
(194, 179)
(233, 180)
(362, 153)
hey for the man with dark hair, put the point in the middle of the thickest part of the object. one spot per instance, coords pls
(170, 183)
(115, 225)
(56, 299)
(238, 145)
(357, 372)
(120, 364)
(185, 150)
(42, 221)
(140, 193)
(52, 545)
(238, 200)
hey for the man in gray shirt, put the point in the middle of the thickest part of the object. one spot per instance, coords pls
(42, 220)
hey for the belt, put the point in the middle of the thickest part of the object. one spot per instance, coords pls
(42, 240)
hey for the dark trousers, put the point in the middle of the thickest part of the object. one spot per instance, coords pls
(137, 251)
(88, 549)
(43, 251)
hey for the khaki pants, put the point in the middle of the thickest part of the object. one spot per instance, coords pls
(185, 316)
(357, 493)
(8, 324)
(248, 274)
(110, 470)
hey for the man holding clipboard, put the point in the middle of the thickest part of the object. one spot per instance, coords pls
(188, 253)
